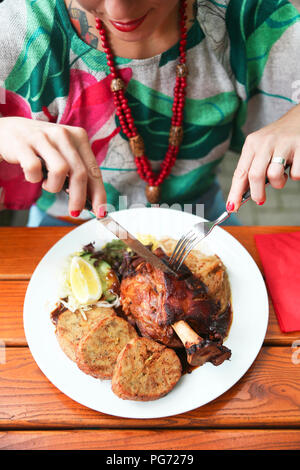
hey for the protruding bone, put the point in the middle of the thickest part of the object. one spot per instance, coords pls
(199, 350)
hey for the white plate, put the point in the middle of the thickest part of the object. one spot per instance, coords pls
(247, 332)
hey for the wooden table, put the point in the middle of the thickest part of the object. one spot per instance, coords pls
(262, 411)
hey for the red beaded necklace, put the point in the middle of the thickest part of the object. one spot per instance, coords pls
(123, 112)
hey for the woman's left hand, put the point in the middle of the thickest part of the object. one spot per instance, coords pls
(279, 139)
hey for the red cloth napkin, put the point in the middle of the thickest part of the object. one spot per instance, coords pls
(280, 256)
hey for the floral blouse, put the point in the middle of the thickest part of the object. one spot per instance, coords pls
(244, 72)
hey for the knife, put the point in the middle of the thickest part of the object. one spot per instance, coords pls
(120, 232)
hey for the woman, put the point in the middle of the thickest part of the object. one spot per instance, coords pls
(220, 73)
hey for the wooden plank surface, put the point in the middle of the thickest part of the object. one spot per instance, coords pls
(18, 263)
(21, 248)
(12, 295)
(151, 440)
(268, 395)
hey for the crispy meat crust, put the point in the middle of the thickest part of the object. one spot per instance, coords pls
(154, 300)
(145, 370)
(70, 327)
(98, 350)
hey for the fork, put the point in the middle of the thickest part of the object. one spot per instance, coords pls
(196, 234)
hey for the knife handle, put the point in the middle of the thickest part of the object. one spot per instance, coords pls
(247, 195)
(88, 205)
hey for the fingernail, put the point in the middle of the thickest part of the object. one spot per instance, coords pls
(75, 213)
(260, 203)
(230, 206)
(101, 212)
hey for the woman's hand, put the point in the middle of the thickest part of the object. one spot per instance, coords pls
(66, 151)
(279, 139)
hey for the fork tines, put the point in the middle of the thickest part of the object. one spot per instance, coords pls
(183, 247)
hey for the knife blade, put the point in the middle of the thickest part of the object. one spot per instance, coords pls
(120, 232)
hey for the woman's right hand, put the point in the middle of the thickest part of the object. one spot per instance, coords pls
(66, 151)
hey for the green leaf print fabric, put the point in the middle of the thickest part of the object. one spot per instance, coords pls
(41, 73)
(242, 58)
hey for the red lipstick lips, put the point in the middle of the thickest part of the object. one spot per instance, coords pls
(129, 26)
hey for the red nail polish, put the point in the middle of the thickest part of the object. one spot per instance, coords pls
(101, 212)
(230, 206)
(75, 213)
(260, 203)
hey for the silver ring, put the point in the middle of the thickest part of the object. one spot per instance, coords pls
(280, 160)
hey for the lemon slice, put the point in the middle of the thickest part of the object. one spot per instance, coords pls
(85, 281)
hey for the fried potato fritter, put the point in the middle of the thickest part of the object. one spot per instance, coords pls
(98, 350)
(145, 370)
(71, 327)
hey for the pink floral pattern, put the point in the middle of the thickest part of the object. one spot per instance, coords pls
(16, 192)
(89, 105)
